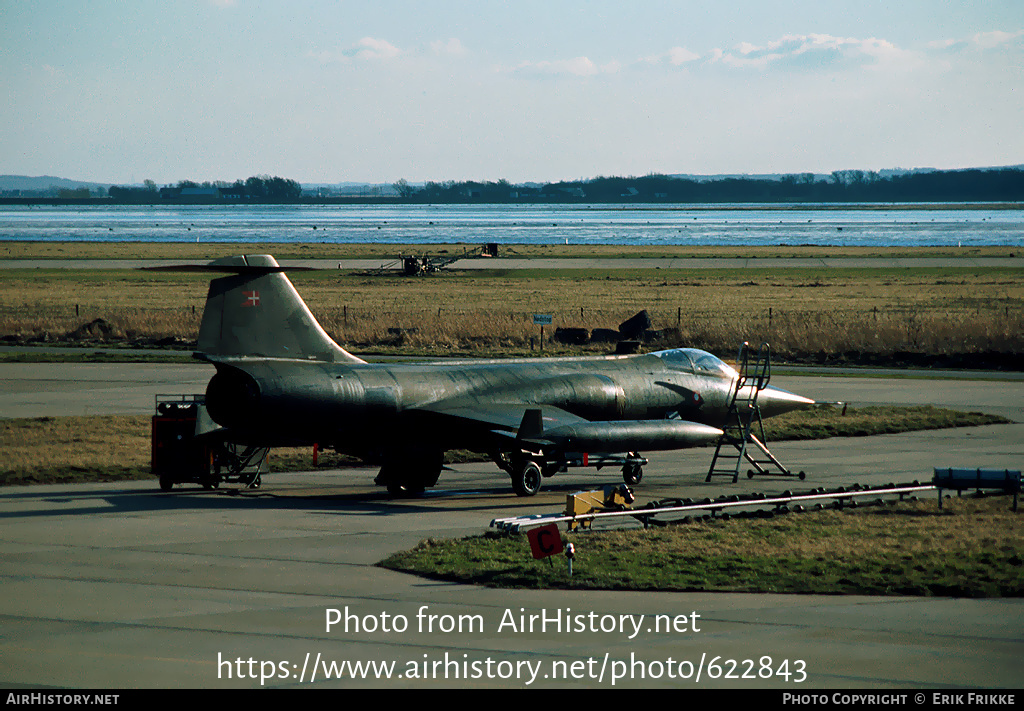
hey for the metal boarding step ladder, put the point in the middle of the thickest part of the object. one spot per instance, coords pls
(738, 441)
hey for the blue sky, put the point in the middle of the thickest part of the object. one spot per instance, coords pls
(436, 90)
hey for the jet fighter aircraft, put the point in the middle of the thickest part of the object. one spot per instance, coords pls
(281, 380)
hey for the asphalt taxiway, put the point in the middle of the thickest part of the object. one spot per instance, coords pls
(121, 585)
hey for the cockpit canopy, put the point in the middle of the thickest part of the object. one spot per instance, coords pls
(696, 361)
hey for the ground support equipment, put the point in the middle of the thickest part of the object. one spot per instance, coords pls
(738, 441)
(178, 456)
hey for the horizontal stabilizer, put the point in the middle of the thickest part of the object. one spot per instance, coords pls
(243, 264)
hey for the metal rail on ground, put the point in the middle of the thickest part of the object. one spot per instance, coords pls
(717, 507)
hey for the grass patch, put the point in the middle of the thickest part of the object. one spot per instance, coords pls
(825, 422)
(117, 447)
(51, 450)
(971, 548)
(947, 316)
(87, 356)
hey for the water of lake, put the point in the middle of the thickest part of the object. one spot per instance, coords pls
(896, 225)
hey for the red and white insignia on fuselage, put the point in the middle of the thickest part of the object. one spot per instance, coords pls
(252, 298)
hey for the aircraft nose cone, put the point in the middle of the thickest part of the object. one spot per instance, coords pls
(775, 401)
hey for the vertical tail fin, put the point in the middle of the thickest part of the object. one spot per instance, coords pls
(256, 311)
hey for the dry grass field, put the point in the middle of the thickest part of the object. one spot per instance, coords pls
(69, 449)
(804, 313)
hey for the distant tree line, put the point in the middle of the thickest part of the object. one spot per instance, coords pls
(1000, 184)
(972, 185)
(258, 188)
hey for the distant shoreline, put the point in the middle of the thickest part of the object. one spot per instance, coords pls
(639, 204)
(82, 251)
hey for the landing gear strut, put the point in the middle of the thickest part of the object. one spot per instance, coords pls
(633, 470)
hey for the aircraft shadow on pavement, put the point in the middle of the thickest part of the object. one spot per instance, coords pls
(320, 498)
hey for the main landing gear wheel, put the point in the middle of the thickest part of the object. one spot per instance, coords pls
(407, 474)
(526, 479)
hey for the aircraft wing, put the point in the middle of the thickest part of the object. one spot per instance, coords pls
(512, 420)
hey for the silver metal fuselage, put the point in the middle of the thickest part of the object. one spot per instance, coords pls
(361, 407)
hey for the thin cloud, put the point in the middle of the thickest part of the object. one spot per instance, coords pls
(794, 52)
(366, 49)
(814, 51)
(990, 40)
(677, 56)
(448, 48)
(984, 41)
(946, 45)
(578, 66)
(373, 48)
(681, 55)
(805, 52)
